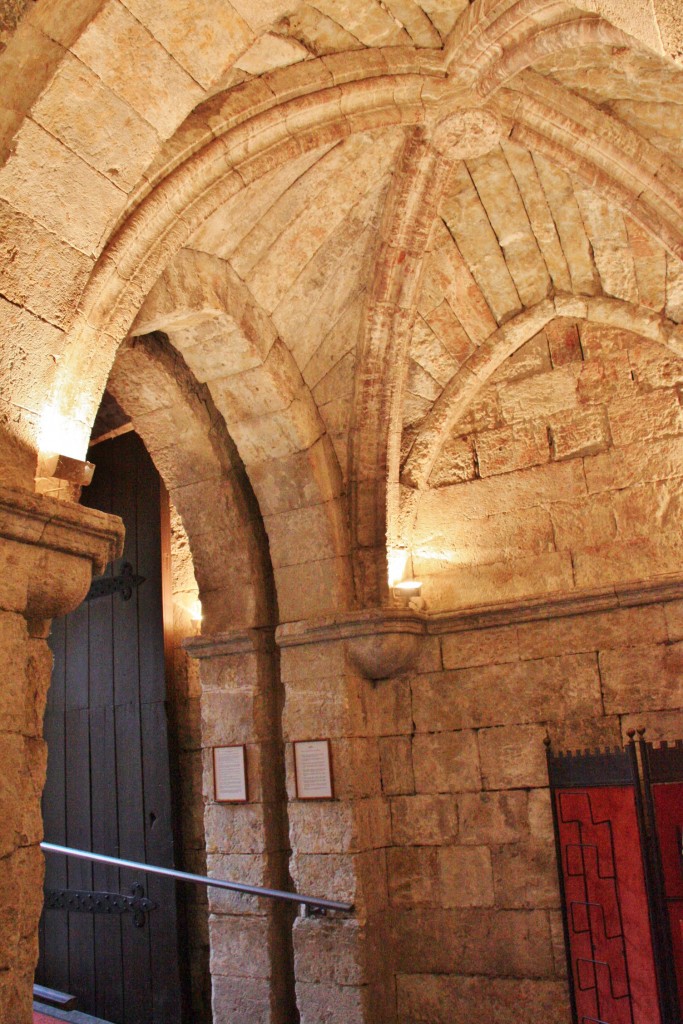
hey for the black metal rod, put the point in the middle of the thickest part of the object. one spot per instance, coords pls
(184, 876)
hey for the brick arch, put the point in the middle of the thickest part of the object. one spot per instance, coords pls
(463, 389)
(232, 347)
(241, 691)
(187, 441)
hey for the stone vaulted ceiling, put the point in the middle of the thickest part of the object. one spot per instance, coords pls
(375, 236)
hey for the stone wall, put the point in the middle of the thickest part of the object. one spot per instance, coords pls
(441, 830)
(565, 474)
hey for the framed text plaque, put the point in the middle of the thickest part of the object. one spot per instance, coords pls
(313, 770)
(230, 774)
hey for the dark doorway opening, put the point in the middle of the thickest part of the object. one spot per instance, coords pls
(109, 770)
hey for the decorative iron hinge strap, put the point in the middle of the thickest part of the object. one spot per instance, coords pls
(123, 584)
(84, 902)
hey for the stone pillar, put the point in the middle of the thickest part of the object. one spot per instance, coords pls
(330, 670)
(49, 551)
(251, 955)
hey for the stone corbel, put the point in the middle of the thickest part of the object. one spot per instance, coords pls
(49, 551)
(380, 642)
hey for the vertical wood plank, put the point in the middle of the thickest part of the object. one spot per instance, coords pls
(79, 835)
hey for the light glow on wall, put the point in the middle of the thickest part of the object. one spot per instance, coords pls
(62, 435)
(397, 560)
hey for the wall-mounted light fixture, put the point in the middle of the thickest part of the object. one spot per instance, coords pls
(406, 592)
(195, 611)
(63, 467)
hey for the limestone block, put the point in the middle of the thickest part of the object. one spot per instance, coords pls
(512, 692)
(329, 951)
(507, 943)
(441, 999)
(303, 479)
(649, 261)
(413, 874)
(326, 827)
(635, 464)
(467, 220)
(262, 390)
(507, 580)
(233, 717)
(396, 765)
(654, 415)
(240, 946)
(455, 463)
(604, 379)
(563, 342)
(588, 522)
(118, 142)
(279, 434)
(559, 193)
(673, 614)
(424, 820)
(531, 359)
(466, 877)
(381, 710)
(356, 768)
(323, 709)
(480, 647)
(622, 627)
(331, 875)
(632, 558)
(232, 672)
(642, 678)
(37, 269)
(334, 1004)
(525, 875)
(653, 366)
(545, 394)
(307, 534)
(514, 492)
(513, 757)
(129, 60)
(577, 434)
(41, 180)
(204, 42)
(512, 448)
(651, 509)
(234, 828)
(251, 869)
(522, 166)
(237, 998)
(312, 589)
(541, 829)
(504, 206)
(446, 762)
(584, 733)
(658, 725)
(312, 662)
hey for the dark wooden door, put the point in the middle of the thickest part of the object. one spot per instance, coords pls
(108, 781)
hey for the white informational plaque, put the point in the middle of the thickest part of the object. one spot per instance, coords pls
(230, 774)
(313, 770)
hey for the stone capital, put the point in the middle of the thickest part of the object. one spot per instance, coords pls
(49, 551)
(238, 641)
(379, 642)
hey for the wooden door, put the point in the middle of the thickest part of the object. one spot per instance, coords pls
(108, 782)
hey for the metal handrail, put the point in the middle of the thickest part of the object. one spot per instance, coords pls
(219, 883)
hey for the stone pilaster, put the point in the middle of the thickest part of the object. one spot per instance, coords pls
(251, 955)
(49, 551)
(340, 683)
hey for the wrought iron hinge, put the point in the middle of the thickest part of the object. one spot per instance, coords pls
(84, 902)
(123, 584)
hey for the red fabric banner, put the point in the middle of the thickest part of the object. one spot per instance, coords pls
(606, 904)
